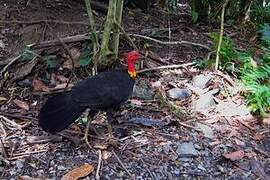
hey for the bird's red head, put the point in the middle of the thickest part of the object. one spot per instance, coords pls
(131, 58)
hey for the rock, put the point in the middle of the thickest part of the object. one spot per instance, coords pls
(206, 130)
(202, 81)
(187, 150)
(61, 168)
(230, 109)
(19, 164)
(205, 101)
(143, 92)
(2, 44)
(177, 93)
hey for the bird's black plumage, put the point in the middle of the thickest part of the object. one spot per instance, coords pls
(101, 92)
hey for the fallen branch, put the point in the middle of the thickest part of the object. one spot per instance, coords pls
(44, 21)
(221, 33)
(171, 42)
(99, 164)
(166, 67)
(121, 163)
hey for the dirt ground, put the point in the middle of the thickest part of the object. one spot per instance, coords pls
(168, 140)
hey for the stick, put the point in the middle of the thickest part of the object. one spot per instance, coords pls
(44, 21)
(221, 33)
(120, 162)
(126, 36)
(166, 67)
(171, 42)
(10, 62)
(99, 164)
(11, 122)
(26, 154)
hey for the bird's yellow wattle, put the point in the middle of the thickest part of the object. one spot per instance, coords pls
(132, 74)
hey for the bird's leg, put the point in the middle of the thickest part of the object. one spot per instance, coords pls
(111, 139)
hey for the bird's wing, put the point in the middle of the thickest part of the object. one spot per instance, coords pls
(103, 91)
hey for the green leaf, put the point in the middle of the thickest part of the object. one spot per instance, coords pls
(51, 61)
(28, 54)
(84, 61)
(194, 16)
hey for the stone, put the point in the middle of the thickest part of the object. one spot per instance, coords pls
(202, 81)
(143, 92)
(180, 94)
(204, 102)
(206, 130)
(187, 150)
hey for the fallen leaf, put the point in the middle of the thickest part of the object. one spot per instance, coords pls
(21, 104)
(266, 121)
(156, 84)
(236, 155)
(24, 70)
(27, 178)
(239, 143)
(106, 155)
(75, 53)
(61, 78)
(206, 130)
(136, 102)
(100, 146)
(39, 86)
(3, 99)
(78, 172)
(257, 136)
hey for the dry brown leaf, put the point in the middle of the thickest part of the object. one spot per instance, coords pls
(24, 70)
(266, 121)
(39, 86)
(236, 155)
(61, 78)
(78, 172)
(75, 53)
(21, 104)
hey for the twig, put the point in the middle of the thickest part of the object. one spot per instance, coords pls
(10, 62)
(171, 42)
(166, 67)
(221, 33)
(43, 21)
(86, 134)
(121, 163)
(228, 79)
(67, 51)
(99, 164)
(12, 123)
(2, 149)
(126, 36)
(25, 154)
(151, 174)
(18, 116)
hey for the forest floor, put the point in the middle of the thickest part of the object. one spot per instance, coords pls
(181, 123)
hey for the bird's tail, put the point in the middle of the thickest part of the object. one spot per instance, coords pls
(59, 112)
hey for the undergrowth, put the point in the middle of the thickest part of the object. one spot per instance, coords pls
(253, 74)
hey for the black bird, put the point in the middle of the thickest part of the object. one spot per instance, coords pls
(105, 91)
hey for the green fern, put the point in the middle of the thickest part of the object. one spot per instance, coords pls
(257, 83)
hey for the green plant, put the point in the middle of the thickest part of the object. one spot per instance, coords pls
(228, 55)
(257, 85)
(260, 12)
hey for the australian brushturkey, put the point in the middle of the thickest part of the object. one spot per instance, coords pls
(105, 91)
